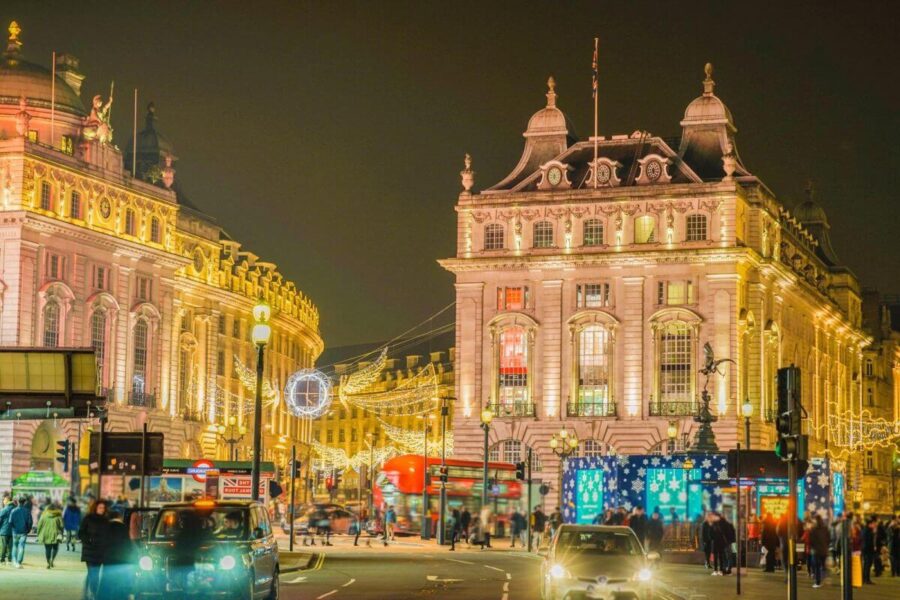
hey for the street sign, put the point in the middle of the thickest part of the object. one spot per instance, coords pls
(760, 464)
(122, 453)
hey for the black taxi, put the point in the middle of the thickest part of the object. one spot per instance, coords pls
(209, 549)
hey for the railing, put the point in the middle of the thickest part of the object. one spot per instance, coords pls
(672, 409)
(517, 409)
(136, 398)
(591, 409)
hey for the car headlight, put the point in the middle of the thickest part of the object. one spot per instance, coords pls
(558, 572)
(644, 575)
(227, 562)
(146, 563)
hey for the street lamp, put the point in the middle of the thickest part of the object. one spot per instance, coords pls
(564, 446)
(260, 336)
(371, 439)
(747, 412)
(231, 435)
(486, 417)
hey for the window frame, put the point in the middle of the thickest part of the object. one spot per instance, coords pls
(640, 222)
(589, 240)
(605, 294)
(692, 230)
(494, 236)
(543, 235)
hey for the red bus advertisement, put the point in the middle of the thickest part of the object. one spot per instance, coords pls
(400, 483)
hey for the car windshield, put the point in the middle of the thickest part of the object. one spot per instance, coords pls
(621, 543)
(220, 523)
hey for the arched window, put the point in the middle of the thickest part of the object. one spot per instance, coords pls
(676, 367)
(155, 234)
(695, 226)
(645, 230)
(129, 221)
(51, 325)
(543, 234)
(493, 237)
(593, 232)
(594, 396)
(513, 394)
(98, 338)
(139, 372)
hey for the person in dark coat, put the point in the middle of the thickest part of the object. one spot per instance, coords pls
(71, 523)
(730, 539)
(770, 542)
(465, 519)
(655, 532)
(638, 524)
(118, 561)
(6, 532)
(869, 535)
(880, 543)
(454, 525)
(819, 539)
(20, 522)
(706, 538)
(720, 545)
(93, 535)
(894, 545)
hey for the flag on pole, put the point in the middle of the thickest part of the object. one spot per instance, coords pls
(594, 66)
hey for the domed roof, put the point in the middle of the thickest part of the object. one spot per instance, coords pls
(550, 119)
(707, 108)
(19, 77)
(809, 212)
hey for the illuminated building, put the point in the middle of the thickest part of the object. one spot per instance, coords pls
(91, 255)
(586, 289)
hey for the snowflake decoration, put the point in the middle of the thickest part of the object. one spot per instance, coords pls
(823, 480)
(623, 460)
(645, 461)
(677, 464)
(717, 492)
(627, 470)
(682, 496)
(654, 462)
(642, 472)
(665, 497)
(612, 484)
(674, 485)
(722, 474)
(637, 485)
(654, 487)
(706, 463)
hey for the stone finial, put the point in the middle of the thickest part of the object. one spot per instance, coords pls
(467, 175)
(551, 92)
(168, 172)
(14, 43)
(708, 83)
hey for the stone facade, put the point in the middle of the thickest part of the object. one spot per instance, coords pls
(590, 278)
(91, 255)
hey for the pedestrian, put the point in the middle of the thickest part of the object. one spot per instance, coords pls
(20, 522)
(638, 524)
(817, 551)
(706, 539)
(390, 519)
(50, 532)
(486, 519)
(465, 519)
(673, 515)
(719, 544)
(769, 541)
(730, 539)
(880, 543)
(555, 521)
(516, 528)
(360, 524)
(93, 535)
(6, 530)
(539, 525)
(894, 542)
(655, 532)
(71, 523)
(118, 560)
(453, 526)
(869, 535)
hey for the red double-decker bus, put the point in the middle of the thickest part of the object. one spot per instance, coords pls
(400, 483)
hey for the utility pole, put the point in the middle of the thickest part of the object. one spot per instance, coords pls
(293, 492)
(792, 447)
(442, 534)
(530, 508)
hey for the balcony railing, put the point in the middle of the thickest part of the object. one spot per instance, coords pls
(144, 399)
(591, 409)
(517, 409)
(672, 409)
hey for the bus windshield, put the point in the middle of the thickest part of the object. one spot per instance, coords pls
(214, 524)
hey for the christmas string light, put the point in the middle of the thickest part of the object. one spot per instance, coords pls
(365, 377)
(337, 458)
(858, 431)
(418, 393)
(248, 379)
(414, 442)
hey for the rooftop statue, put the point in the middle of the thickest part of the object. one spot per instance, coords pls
(98, 126)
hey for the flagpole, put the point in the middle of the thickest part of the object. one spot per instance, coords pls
(134, 138)
(52, 98)
(595, 84)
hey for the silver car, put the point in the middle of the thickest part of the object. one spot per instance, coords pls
(596, 562)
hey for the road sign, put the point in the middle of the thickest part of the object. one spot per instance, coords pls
(122, 453)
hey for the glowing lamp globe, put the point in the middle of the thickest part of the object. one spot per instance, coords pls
(747, 408)
(262, 312)
(487, 416)
(261, 334)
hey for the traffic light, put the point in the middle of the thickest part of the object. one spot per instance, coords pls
(337, 479)
(329, 483)
(62, 454)
(791, 444)
(444, 472)
(520, 471)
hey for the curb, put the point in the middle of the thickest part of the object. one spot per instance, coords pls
(305, 561)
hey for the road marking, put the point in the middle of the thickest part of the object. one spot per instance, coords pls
(349, 583)
(505, 586)
(494, 568)
(464, 562)
(326, 594)
(509, 576)
(300, 579)
(436, 579)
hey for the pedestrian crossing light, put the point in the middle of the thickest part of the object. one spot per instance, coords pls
(520, 471)
(791, 442)
(62, 454)
(443, 473)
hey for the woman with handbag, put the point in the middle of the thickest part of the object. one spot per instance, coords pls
(50, 532)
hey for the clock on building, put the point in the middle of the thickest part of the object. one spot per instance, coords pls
(199, 260)
(105, 208)
(653, 169)
(603, 173)
(554, 176)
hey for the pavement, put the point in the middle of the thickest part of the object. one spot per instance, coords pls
(410, 568)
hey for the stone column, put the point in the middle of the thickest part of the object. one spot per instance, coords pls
(550, 404)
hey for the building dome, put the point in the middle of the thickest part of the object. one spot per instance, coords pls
(707, 108)
(19, 77)
(550, 119)
(809, 212)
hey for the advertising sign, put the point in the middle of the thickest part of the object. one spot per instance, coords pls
(589, 494)
(237, 487)
(773, 505)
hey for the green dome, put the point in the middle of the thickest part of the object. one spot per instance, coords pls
(21, 78)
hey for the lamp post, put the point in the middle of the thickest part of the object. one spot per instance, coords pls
(231, 435)
(371, 438)
(747, 412)
(563, 446)
(445, 411)
(260, 336)
(486, 417)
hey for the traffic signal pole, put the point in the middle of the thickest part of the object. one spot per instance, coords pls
(293, 492)
(530, 508)
(792, 529)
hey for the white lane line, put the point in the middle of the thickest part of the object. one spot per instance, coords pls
(349, 583)
(299, 579)
(508, 576)
(505, 586)
(494, 568)
(462, 562)
(326, 594)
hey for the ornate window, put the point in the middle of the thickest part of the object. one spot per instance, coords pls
(592, 295)
(695, 226)
(56, 266)
(98, 338)
(593, 232)
(645, 230)
(512, 298)
(594, 373)
(186, 372)
(129, 221)
(543, 234)
(51, 324)
(141, 346)
(493, 237)
(870, 369)
(513, 451)
(513, 381)
(674, 292)
(46, 196)
(675, 341)
(75, 204)
(144, 288)
(155, 233)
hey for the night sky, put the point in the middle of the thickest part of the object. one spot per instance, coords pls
(328, 137)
